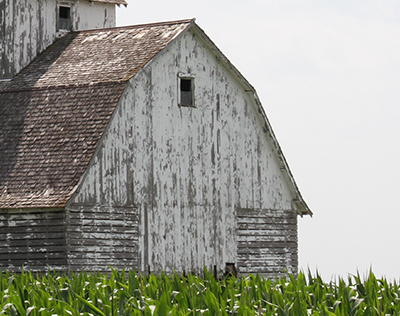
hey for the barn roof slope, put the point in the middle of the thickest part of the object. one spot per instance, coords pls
(75, 83)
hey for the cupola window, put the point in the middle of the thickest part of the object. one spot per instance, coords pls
(64, 18)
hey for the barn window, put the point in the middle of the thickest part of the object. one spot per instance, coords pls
(64, 18)
(186, 91)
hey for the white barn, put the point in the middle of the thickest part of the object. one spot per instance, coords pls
(138, 147)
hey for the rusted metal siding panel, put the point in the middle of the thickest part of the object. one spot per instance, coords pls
(33, 240)
(101, 236)
(267, 241)
(188, 168)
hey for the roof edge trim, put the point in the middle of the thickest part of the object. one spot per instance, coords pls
(136, 26)
(31, 210)
(302, 207)
(117, 2)
(64, 86)
(189, 23)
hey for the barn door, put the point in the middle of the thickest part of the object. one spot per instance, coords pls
(267, 241)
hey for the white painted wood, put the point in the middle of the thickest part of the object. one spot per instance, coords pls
(92, 15)
(187, 169)
(28, 27)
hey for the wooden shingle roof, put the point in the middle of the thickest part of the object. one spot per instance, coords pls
(54, 112)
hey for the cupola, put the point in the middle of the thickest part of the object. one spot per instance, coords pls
(29, 27)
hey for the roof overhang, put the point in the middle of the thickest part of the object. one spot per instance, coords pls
(30, 210)
(298, 202)
(117, 2)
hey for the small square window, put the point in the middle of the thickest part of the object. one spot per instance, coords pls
(64, 18)
(186, 90)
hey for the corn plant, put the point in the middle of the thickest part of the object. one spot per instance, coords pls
(129, 293)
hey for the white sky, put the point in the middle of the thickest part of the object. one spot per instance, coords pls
(328, 75)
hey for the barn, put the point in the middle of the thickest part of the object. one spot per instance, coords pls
(138, 147)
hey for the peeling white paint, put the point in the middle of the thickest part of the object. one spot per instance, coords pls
(188, 169)
(28, 27)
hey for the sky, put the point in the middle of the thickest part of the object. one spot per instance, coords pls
(328, 75)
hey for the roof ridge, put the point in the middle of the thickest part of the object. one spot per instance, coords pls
(187, 21)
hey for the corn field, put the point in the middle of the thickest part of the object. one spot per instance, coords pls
(127, 293)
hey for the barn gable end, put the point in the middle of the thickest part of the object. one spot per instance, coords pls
(194, 172)
(156, 151)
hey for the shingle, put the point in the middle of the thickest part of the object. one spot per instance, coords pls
(54, 112)
(90, 57)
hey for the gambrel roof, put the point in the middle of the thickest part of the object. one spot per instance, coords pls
(54, 112)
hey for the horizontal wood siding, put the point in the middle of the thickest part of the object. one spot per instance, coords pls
(267, 241)
(33, 240)
(189, 168)
(102, 236)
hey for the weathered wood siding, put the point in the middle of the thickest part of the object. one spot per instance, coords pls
(267, 241)
(99, 237)
(187, 169)
(27, 27)
(32, 240)
(86, 15)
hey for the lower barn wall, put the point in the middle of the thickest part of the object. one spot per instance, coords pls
(100, 237)
(33, 240)
(267, 242)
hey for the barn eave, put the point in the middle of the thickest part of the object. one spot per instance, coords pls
(299, 203)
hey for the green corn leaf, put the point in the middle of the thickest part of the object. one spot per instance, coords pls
(90, 305)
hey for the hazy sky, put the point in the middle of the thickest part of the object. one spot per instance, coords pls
(328, 76)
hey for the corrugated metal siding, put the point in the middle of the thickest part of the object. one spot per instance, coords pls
(101, 236)
(267, 241)
(32, 240)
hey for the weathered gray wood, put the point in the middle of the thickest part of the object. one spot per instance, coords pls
(104, 242)
(28, 27)
(265, 244)
(32, 240)
(172, 187)
(192, 172)
(264, 247)
(102, 236)
(267, 226)
(32, 249)
(278, 231)
(261, 213)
